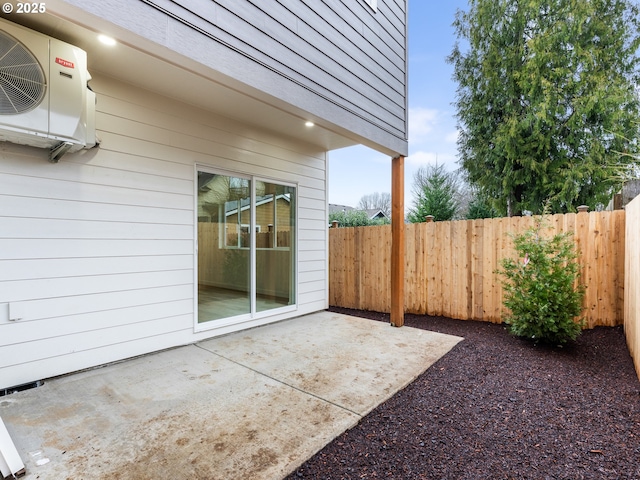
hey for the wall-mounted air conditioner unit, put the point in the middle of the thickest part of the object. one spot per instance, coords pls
(45, 100)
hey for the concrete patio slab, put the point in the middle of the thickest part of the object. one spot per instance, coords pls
(255, 404)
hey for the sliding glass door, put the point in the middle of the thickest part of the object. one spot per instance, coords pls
(246, 246)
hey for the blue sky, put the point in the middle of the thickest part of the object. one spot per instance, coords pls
(432, 126)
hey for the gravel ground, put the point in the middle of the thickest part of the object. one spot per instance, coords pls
(501, 408)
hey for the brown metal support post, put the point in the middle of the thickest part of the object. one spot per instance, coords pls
(397, 241)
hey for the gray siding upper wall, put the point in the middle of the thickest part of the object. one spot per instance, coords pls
(337, 60)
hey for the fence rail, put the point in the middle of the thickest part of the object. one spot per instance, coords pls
(451, 267)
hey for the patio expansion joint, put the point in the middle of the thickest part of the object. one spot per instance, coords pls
(342, 407)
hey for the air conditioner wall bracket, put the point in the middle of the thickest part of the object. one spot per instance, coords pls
(58, 151)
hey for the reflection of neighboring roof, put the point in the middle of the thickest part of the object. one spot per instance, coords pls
(232, 207)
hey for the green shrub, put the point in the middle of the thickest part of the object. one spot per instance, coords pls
(541, 288)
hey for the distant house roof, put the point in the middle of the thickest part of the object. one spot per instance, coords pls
(375, 213)
(333, 208)
(630, 190)
(372, 213)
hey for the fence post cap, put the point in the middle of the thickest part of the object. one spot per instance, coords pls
(429, 218)
(335, 224)
(583, 208)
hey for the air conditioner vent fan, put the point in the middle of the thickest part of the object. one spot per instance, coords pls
(22, 81)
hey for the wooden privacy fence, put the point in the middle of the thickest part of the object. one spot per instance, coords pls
(632, 282)
(450, 266)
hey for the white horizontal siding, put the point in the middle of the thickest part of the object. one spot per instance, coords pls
(88, 174)
(311, 245)
(315, 194)
(21, 206)
(23, 290)
(98, 250)
(310, 234)
(311, 204)
(75, 248)
(311, 218)
(312, 266)
(50, 308)
(88, 340)
(30, 269)
(23, 332)
(19, 227)
(57, 189)
(315, 295)
(195, 134)
(312, 276)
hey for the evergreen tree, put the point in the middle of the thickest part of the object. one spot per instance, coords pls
(435, 191)
(547, 104)
(480, 206)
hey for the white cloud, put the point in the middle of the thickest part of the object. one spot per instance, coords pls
(421, 123)
(420, 158)
(452, 137)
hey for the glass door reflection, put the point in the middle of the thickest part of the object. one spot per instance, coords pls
(275, 262)
(224, 246)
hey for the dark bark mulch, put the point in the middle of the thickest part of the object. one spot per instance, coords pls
(498, 407)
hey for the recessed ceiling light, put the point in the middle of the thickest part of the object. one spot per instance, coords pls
(106, 40)
(308, 123)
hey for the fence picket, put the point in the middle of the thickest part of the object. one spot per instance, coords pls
(433, 291)
(476, 298)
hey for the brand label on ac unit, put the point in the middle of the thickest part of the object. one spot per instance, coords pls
(64, 63)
